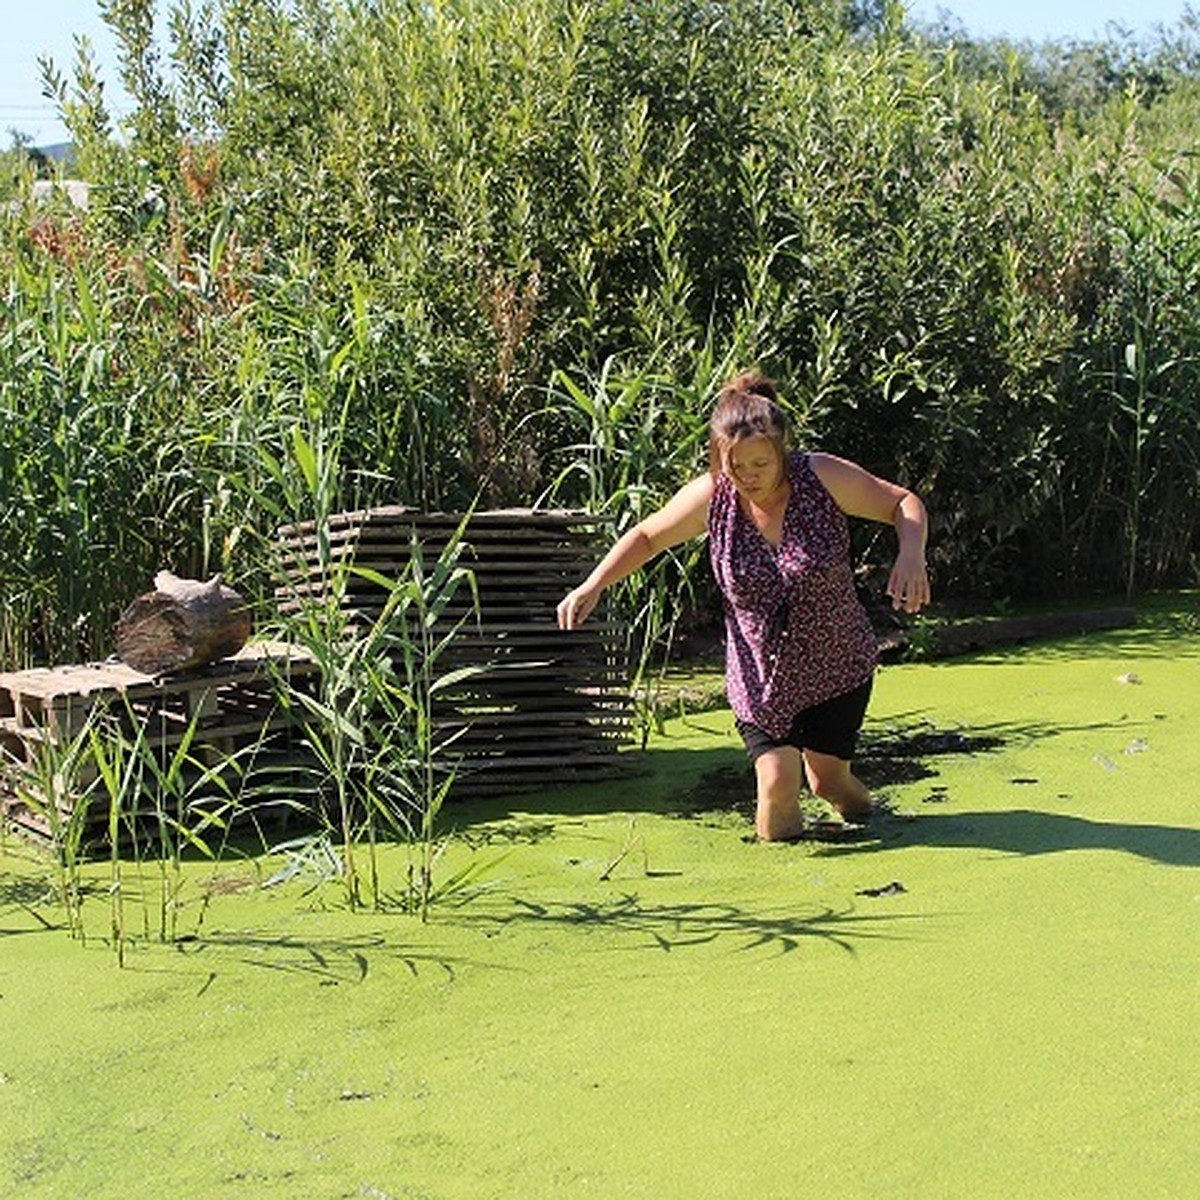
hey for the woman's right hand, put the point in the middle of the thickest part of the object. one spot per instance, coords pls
(683, 516)
(575, 607)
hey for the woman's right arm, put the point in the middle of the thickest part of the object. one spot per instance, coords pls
(684, 516)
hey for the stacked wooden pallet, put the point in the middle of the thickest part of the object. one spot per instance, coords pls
(541, 706)
(223, 709)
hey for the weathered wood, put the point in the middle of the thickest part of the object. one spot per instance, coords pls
(221, 709)
(539, 706)
(183, 623)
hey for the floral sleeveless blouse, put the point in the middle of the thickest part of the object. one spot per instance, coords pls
(795, 631)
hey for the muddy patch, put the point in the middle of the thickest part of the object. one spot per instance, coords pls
(894, 756)
(885, 757)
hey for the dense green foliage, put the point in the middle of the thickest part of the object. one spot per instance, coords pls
(508, 250)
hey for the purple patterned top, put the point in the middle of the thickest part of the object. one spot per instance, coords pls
(795, 631)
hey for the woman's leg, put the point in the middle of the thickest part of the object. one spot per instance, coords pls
(831, 779)
(779, 773)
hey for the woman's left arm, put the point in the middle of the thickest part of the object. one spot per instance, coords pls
(858, 493)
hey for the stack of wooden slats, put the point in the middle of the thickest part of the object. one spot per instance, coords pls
(541, 706)
(227, 708)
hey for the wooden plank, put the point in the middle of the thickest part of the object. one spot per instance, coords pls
(112, 675)
(540, 767)
(517, 518)
(390, 553)
(234, 705)
(465, 627)
(539, 699)
(491, 590)
(567, 742)
(561, 714)
(52, 704)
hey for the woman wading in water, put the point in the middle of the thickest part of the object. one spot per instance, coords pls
(800, 653)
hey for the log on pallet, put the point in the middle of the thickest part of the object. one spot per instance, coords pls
(183, 623)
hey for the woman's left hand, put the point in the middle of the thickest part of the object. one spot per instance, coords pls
(908, 584)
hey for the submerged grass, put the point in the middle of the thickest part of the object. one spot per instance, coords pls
(639, 1002)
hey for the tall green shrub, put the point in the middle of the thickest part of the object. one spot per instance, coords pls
(426, 218)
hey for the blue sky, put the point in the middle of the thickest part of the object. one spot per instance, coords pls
(1042, 19)
(46, 27)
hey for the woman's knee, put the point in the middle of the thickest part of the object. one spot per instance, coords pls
(779, 774)
(833, 780)
(828, 777)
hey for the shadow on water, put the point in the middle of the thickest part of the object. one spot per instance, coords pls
(719, 781)
(23, 891)
(905, 750)
(719, 784)
(649, 782)
(670, 927)
(30, 897)
(329, 961)
(693, 782)
(1029, 832)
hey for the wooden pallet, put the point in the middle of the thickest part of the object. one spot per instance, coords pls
(545, 706)
(224, 708)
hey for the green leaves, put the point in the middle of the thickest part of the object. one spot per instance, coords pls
(397, 253)
(305, 459)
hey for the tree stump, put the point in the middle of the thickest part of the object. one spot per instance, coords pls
(183, 623)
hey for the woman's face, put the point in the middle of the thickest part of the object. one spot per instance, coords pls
(755, 466)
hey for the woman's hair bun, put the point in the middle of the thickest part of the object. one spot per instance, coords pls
(752, 383)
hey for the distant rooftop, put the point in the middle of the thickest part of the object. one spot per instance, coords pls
(76, 190)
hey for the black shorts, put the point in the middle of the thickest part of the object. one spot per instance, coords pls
(830, 727)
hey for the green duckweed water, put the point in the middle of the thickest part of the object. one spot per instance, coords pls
(641, 1003)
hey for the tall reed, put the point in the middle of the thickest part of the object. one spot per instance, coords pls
(56, 785)
(371, 729)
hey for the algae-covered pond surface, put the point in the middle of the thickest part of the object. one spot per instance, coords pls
(995, 996)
